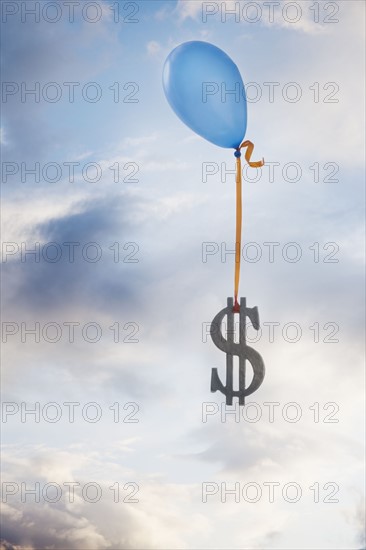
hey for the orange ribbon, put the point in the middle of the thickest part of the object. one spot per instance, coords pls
(239, 211)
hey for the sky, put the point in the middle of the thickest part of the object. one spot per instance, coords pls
(131, 220)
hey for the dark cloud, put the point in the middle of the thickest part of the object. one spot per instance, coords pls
(238, 447)
(5, 545)
(104, 284)
(84, 525)
(51, 527)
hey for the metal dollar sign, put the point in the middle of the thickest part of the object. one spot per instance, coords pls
(240, 349)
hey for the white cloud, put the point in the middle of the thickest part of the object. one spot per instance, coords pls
(150, 523)
(188, 9)
(2, 136)
(153, 48)
(84, 155)
(292, 16)
(139, 141)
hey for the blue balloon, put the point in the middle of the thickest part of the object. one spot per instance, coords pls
(205, 89)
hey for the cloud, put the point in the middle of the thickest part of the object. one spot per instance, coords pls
(80, 524)
(293, 17)
(153, 48)
(170, 292)
(5, 545)
(187, 9)
(356, 518)
(79, 278)
(2, 137)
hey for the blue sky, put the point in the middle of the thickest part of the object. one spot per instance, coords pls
(170, 294)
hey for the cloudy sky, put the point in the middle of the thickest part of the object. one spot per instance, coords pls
(104, 331)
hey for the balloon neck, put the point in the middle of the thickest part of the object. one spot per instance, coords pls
(237, 153)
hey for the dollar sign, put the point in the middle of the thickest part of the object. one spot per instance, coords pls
(240, 349)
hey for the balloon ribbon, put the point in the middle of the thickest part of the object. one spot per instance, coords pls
(239, 212)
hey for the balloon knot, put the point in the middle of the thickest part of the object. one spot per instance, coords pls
(237, 154)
